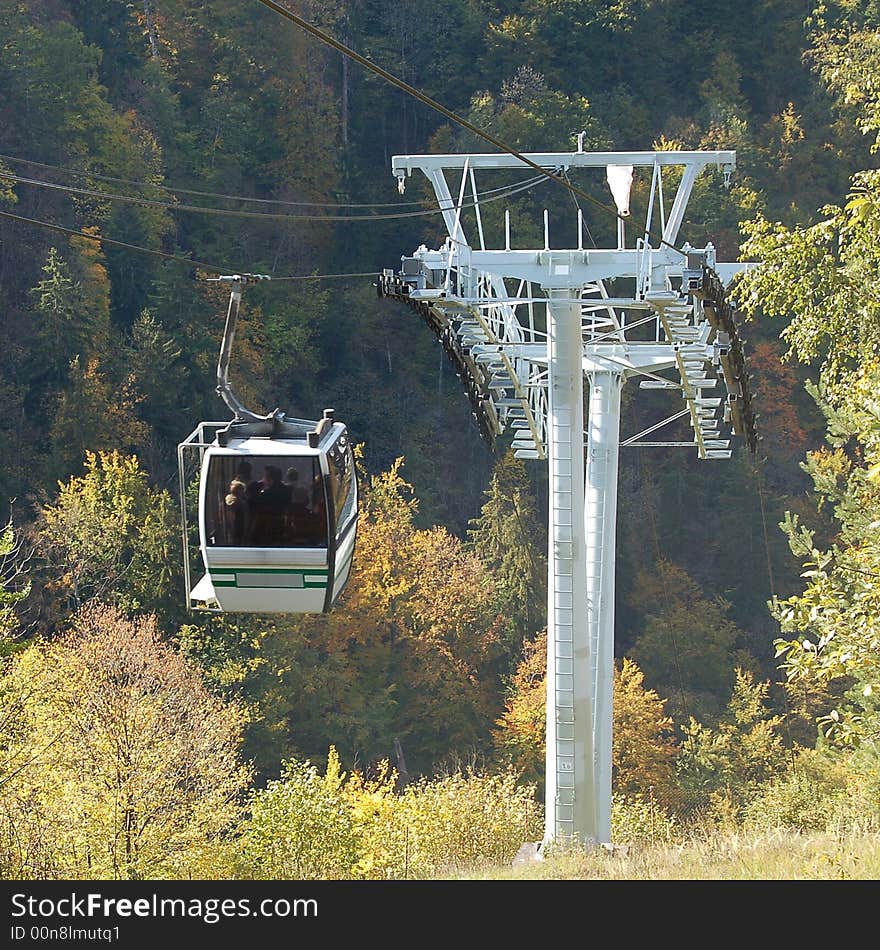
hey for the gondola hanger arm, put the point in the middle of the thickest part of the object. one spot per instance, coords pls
(224, 388)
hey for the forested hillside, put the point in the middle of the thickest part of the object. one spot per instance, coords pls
(197, 138)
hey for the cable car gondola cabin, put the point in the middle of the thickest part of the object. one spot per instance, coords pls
(277, 515)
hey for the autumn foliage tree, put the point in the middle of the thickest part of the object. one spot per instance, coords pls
(831, 628)
(783, 435)
(411, 651)
(110, 535)
(117, 762)
(432, 604)
(643, 746)
(723, 768)
(688, 647)
(821, 279)
(14, 583)
(521, 729)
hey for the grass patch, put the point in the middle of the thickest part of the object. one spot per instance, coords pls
(732, 856)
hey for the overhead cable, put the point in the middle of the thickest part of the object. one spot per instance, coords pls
(255, 215)
(174, 189)
(439, 107)
(190, 262)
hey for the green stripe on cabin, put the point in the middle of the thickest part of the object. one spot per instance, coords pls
(277, 578)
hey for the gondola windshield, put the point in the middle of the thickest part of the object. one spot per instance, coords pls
(278, 503)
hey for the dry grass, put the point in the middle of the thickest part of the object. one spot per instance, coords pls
(735, 856)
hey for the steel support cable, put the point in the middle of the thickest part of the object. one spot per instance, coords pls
(758, 475)
(578, 209)
(215, 194)
(676, 662)
(254, 215)
(448, 113)
(104, 240)
(190, 262)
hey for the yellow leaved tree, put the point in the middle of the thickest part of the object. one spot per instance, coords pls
(643, 753)
(116, 763)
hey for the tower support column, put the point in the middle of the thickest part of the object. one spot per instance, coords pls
(570, 804)
(600, 529)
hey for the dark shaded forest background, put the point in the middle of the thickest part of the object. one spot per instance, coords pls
(109, 350)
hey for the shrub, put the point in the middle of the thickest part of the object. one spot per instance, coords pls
(823, 791)
(467, 818)
(309, 826)
(301, 827)
(636, 818)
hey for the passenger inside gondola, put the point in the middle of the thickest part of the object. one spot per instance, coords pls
(270, 508)
(284, 508)
(236, 520)
(298, 492)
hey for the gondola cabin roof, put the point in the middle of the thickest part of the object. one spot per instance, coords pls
(265, 446)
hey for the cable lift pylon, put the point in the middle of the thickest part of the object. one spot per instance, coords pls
(277, 540)
(558, 390)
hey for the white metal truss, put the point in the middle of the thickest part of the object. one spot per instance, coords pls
(524, 328)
